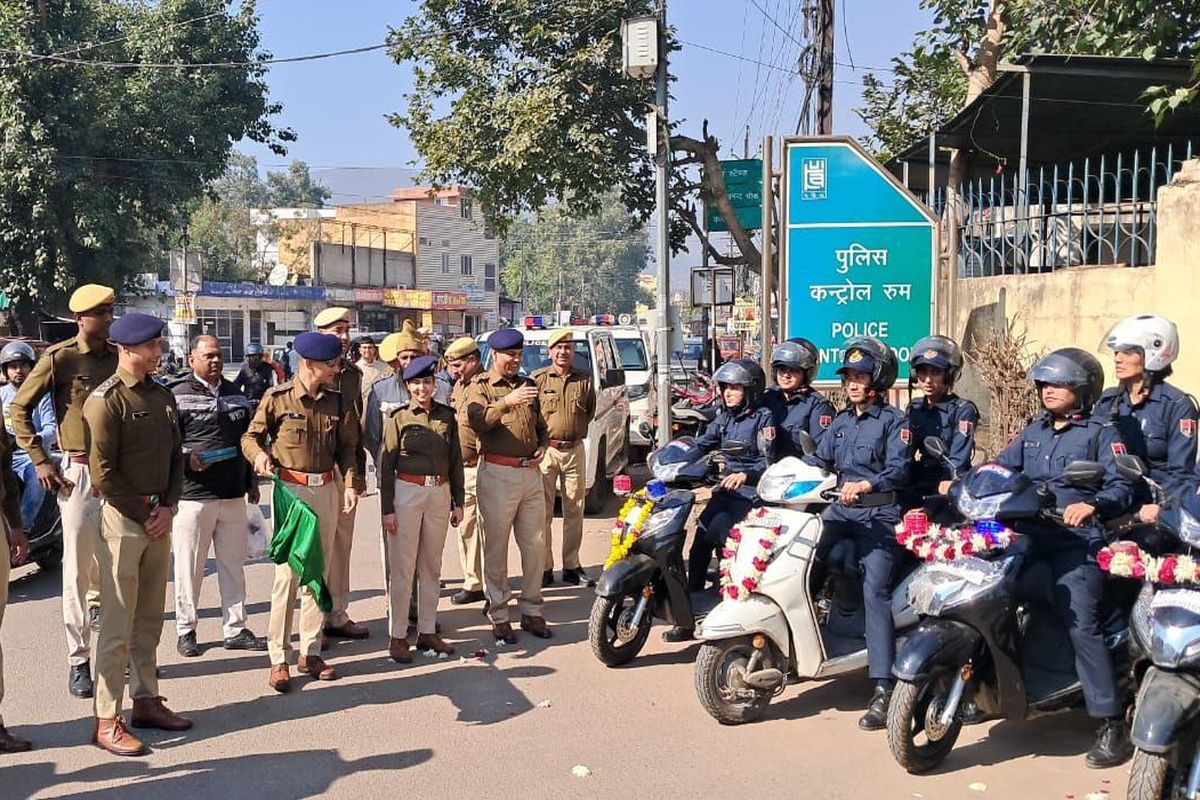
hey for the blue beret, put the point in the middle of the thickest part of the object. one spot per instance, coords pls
(506, 339)
(136, 328)
(318, 346)
(421, 367)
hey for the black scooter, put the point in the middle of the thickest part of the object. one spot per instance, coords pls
(45, 534)
(650, 582)
(1165, 648)
(976, 643)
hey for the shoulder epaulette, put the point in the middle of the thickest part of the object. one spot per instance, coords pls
(105, 387)
(286, 386)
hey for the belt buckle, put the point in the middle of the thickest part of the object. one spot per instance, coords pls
(315, 479)
(431, 480)
(522, 462)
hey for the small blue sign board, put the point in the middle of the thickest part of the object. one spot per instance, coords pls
(859, 252)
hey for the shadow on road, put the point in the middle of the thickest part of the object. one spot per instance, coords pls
(278, 776)
(1061, 735)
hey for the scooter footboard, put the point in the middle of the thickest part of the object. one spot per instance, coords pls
(755, 614)
(934, 644)
(628, 576)
(1167, 713)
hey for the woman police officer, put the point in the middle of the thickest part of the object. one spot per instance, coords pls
(796, 405)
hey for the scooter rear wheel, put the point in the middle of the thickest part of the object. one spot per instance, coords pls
(918, 742)
(1152, 777)
(608, 629)
(720, 667)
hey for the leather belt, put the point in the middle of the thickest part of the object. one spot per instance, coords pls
(77, 458)
(306, 478)
(422, 480)
(509, 461)
(564, 444)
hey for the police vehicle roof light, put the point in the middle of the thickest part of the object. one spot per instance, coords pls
(604, 319)
(534, 322)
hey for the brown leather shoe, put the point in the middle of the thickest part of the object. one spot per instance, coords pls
(151, 712)
(431, 641)
(504, 632)
(281, 678)
(316, 667)
(11, 744)
(398, 650)
(536, 626)
(113, 736)
(351, 630)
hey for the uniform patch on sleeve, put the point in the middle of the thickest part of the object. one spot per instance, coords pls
(825, 420)
(1118, 449)
(768, 433)
(906, 435)
(965, 426)
(1187, 427)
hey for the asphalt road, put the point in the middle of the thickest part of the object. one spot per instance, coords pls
(512, 724)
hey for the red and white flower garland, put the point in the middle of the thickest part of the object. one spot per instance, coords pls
(1127, 560)
(765, 536)
(932, 542)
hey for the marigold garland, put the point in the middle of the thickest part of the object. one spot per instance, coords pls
(1127, 560)
(757, 527)
(631, 521)
(932, 542)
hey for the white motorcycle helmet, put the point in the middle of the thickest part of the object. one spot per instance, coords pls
(1157, 338)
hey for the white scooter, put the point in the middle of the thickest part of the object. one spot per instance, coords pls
(767, 624)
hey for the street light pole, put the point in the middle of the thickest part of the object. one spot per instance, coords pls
(662, 160)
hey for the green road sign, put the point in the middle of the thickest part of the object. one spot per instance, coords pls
(743, 184)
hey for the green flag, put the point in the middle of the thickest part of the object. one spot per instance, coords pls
(297, 542)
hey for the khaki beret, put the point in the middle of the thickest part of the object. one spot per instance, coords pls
(410, 338)
(331, 316)
(387, 348)
(88, 296)
(461, 347)
(559, 336)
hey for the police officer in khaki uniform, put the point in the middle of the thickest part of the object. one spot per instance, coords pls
(421, 474)
(69, 371)
(302, 431)
(463, 364)
(17, 548)
(336, 322)
(567, 401)
(502, 408)
(136, 460)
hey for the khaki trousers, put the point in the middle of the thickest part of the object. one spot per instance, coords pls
(512, 500)
(222, 525)
(4, 570)
(422, 518)
(564, 470)
(133, 588)
(80, 512)
(470, 536)
(325, 502)
(339, 563)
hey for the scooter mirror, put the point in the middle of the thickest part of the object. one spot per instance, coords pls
(1084, 473)
(934, 446)
(1131, 467)
(808, 445)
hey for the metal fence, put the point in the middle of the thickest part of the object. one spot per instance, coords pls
(1097, 211)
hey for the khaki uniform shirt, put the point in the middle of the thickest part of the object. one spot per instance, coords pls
(69, 371)
(515, 432)
(350, 384)
(303, 433)
(466, 434)
(420, 442)
(10, 490)
(134, 444)
(567, 403)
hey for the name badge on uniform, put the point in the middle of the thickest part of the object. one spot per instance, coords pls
(295, 415)
(139, 415)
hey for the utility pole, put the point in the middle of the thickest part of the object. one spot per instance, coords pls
(825, 70)
(662, 163)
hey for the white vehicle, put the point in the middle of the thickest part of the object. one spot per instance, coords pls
(606, 448)
(633, 350)
(752, 643)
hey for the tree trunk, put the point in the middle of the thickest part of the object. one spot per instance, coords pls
(704, 152)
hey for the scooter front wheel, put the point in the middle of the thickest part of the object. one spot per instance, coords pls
(1152, 777)
(916, 736)
(720, 680)
(610, 634)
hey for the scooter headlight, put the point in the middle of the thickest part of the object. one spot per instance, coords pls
(983, 508)
(940, 586)
(1175, 628)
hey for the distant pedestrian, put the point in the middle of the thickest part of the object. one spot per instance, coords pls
(369, 364)
(15, 551)
(16, 361)
(255, 375)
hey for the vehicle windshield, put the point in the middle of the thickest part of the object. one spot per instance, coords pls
(632, 354)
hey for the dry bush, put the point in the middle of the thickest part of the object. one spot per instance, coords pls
(1002, 358)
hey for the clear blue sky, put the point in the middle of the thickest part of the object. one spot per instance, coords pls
(337, 106)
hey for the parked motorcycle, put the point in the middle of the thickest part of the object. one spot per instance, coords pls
(650, 582)
(770, 622)
(975, 642)
(1165, 647)
(45, 534)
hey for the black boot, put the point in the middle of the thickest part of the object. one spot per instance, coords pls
(876, 717)
(79, 680)
(679, 634)
(1112, 746)
(187, 646)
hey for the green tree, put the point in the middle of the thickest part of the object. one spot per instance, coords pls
(295, 188)
(104, 145)
(557, 260)
(955, 60)
(526, 101)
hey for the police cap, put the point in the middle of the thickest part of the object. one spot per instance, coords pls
(88, 296)
(318, 346)
(421, 367)
(136, 328)
(331, 316)
(506, 339)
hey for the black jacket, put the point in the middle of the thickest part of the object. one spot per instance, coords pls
(213, 423)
